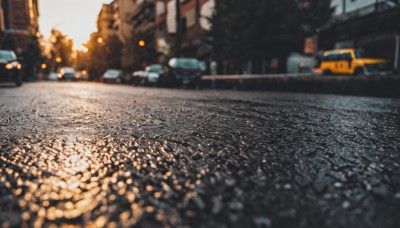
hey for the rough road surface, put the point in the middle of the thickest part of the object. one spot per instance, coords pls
(88, 154)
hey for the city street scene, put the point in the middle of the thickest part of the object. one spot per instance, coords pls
(200, 113)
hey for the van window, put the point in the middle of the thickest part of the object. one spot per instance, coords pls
(360, 54)
(346, 56)
(331, 57)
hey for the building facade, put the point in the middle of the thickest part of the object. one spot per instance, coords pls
(20, 21)
(19, 31)
(195, 16)
(105, 22)
(122, 14)
(154, 21)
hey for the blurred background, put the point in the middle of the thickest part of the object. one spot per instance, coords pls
(226, 36)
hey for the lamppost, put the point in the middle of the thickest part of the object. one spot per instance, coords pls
(58, 61)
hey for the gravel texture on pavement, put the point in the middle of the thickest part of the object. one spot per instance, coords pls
(95, 155)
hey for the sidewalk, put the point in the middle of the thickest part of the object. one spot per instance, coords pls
(376, 86)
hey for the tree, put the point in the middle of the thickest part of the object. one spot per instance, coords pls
(258, 31)
(61, 48)
(315, 14)
(103, 54)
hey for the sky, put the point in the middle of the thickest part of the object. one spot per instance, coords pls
(75, 18)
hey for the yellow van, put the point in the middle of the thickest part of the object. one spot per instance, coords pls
(352, 62)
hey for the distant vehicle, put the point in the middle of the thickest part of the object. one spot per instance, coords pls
(203, 67)
(10, 68)
(82, 75)
(138, 77)
(183, 72)
(153, 73)
(66, 74)
(353, 62)
(53, 76)
(112, 76)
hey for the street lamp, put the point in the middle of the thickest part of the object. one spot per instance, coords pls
(100, 40)
(142, 43)
(44, 66)
(58, 59)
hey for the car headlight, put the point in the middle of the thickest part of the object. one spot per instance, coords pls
(9, 66)
(19, 66)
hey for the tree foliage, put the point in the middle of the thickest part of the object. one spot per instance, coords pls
(61, 47)
(264, 29)
(103, 55)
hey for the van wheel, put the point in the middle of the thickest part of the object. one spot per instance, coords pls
(328, 72)
(359, 72)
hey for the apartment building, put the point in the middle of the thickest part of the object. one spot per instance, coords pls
(105, 21)
(194, 22)
(19, 21)
(19, 31)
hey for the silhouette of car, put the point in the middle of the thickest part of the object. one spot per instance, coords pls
(183, 72)
(112, 76)
(10, 68)
(66, 74)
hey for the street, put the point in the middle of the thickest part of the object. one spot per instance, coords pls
(90, 154)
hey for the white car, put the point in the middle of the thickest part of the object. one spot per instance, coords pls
(53, 76)
(153, 73)
(138, 77)
(112, 76)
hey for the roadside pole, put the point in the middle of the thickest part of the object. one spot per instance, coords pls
(397, 50)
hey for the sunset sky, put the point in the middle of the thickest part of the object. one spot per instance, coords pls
(76, 18)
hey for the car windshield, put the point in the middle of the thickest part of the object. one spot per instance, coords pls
(185, 63)
(8, 55)
(360, 55)
(112, 72)
(203, 66)
(155, 68)
(67, 70)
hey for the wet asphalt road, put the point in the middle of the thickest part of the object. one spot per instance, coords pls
(96, 155)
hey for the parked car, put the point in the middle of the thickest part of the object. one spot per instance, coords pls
(353, 62)
(112, 76)
(82, 75)
(138, 77)
(183, 72)
(153, 73)
(203, 67)
(66, 74)
(10, 68)
(53, 76)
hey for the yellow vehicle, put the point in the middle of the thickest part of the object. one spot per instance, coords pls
(352, 62)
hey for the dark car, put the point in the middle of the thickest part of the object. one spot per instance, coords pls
(10, 68)
(66, 74)
(112, 76)
(183, 72)
(153, 73)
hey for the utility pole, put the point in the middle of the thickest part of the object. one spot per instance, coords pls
(178, 37)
